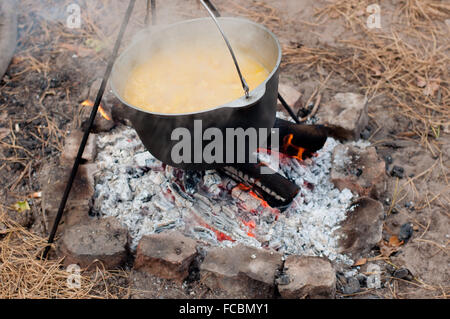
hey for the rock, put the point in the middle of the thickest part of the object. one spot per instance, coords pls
(362, 229)
(362, 280)
(360, 170)
(167, 255)
(282, 279)
(406, 231)
(72, 144)
(8, 33)
(235, 271)
(105, 240)
(352, 286)
(53, 179)
(24, 219)
(397, 171)
(76, 215)
(290, 95)
(345, 114)
(310, 277)
(388, 159)
(366, 133)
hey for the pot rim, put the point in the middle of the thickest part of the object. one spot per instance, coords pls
(240, 102)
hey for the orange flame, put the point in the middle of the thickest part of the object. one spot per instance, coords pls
(87, 103)
(287, 142)
(100, 108)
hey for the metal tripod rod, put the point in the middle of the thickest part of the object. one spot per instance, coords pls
(151, 6)
(77, 162)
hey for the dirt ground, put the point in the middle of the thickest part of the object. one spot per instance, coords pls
(401, 67)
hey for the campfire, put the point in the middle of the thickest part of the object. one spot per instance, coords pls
(223, 207)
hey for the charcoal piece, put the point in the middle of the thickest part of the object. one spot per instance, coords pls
(397, 171)
(191, 179)
(352, 286)
(388, 159)
(366, 133)
(406, 232)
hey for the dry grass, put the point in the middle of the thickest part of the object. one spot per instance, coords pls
(23, 275)
(409, 65)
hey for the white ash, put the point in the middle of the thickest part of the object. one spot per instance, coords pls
(136, 188)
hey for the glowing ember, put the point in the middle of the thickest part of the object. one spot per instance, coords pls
(253, 194)
(254, 206)
(220, 236)
(100, 109)
(251, 225)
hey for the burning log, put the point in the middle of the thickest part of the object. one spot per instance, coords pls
(296, 140)
(101, 110)
(103, 120)
(300, 140)
(275, 189)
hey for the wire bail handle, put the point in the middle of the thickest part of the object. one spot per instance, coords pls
(243, 82)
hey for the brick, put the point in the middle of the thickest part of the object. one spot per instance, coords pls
(362, 229)
(309, 277)
(241, 271)
(346, 115)
(104, 240)
(71, 145)
(360, 170)
(167, 255)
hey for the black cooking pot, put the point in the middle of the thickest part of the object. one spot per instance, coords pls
(256, 112)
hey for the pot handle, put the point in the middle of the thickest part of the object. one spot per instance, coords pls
(243, 82)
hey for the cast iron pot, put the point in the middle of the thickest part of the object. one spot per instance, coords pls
(258, 111)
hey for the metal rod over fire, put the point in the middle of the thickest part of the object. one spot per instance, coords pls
(151, 6)
(98, 99)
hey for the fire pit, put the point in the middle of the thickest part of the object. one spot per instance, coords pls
(151, 197)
